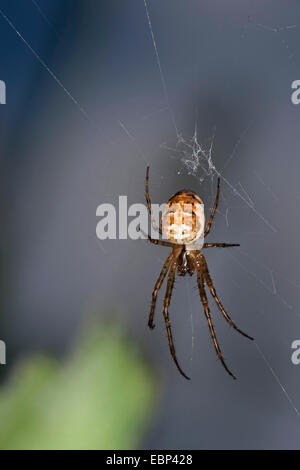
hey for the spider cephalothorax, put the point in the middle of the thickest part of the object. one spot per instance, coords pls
(183, 225)
(185, 263)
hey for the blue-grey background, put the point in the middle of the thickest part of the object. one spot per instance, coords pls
(63, 152)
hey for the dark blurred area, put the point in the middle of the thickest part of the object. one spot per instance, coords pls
(85, 113)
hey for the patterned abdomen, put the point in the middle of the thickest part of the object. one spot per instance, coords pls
(183, 219)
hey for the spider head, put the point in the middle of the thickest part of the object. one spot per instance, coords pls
(183, 220)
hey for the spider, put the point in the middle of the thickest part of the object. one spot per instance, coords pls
(185, 231)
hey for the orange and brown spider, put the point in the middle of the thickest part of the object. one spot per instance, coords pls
(183, 225)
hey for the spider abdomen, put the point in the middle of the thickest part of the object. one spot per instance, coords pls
(183, 220)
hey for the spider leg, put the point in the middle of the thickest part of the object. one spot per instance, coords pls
(167, 301)
(216, 298)
(213, 211)
(157, 286)
(148, 200)
(155, 241)
(200, 281)
(219, 245)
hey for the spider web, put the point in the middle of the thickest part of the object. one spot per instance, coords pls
(197, 160)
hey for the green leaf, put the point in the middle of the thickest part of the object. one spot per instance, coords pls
(99, 398)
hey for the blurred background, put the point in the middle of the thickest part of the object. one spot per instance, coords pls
(86, 112)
